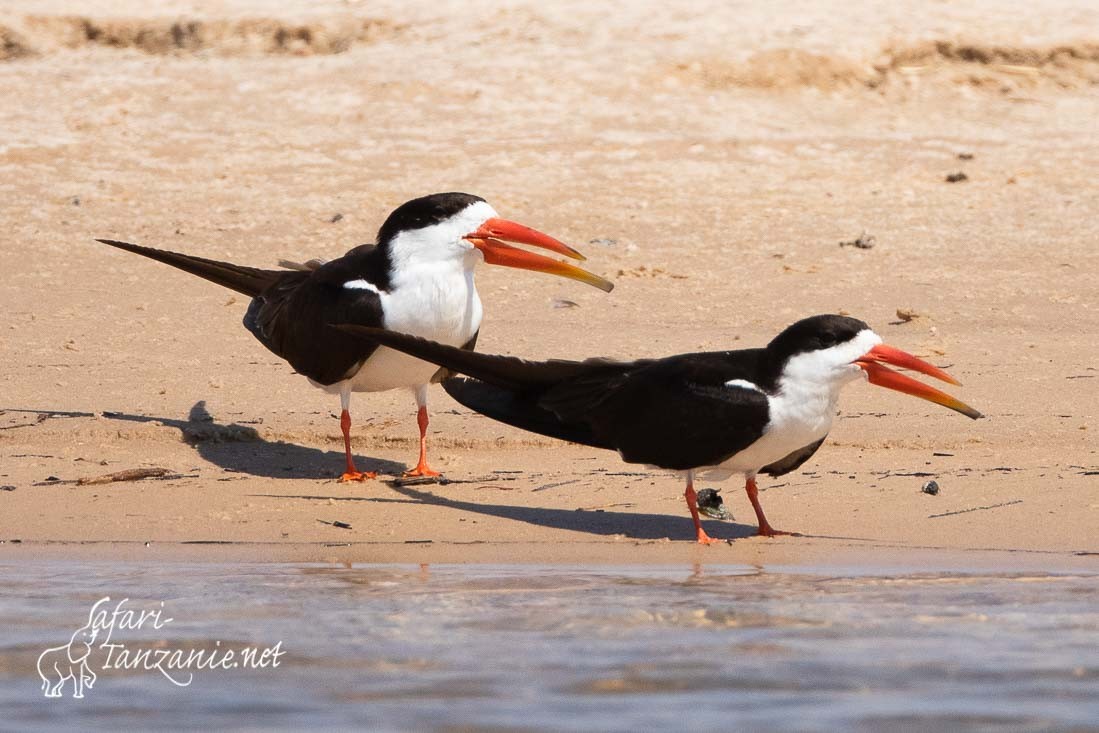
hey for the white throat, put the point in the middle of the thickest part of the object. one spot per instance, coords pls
(803, 405)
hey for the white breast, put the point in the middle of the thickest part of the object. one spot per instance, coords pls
(435, 301)
(800, 414)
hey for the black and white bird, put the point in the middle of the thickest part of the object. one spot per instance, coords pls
(715, 413)
(417, 279)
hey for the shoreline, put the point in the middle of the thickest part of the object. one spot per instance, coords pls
(804, 556)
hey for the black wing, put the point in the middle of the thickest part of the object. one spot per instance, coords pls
(675, 413)
(295, 317)
(504, 371)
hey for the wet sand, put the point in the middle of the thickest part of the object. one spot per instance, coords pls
(710, 160)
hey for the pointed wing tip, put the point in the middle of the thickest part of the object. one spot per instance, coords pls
(115, 243)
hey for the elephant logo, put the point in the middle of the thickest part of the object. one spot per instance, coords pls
(57, 665)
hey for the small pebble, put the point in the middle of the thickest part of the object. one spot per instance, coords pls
(863, 241)
(931, 487)
(956, 177)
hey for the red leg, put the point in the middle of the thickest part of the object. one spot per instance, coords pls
(692, 504)
(352, 474)
(422, 469)
(765, 528)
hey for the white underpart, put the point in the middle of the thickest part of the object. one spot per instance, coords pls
(802, 406)
(432, 295)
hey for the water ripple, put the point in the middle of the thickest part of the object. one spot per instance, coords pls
(550, 648)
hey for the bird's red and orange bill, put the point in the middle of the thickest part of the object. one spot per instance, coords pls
(904, 360)
(883, 376)
(488, 239)
(510, 231)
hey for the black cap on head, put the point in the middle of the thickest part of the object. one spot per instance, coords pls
(424, 212)
(814, 333)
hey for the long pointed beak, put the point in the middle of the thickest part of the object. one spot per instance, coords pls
(881, 375)
(488, 239)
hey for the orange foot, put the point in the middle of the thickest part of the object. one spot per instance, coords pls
(359, 476)
(422, 470)
(705, 539)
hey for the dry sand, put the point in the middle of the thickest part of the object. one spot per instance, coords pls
(708, 157)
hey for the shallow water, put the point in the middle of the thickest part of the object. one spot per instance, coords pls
(551, 648)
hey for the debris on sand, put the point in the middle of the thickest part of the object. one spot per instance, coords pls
(931, 487)
(863, 241)
(956, 177)
(908, 314)
(976, 509)
(421, 481)
(130, 474)
(338, 524)
(643, 271)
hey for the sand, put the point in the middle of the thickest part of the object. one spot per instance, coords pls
(710, 158)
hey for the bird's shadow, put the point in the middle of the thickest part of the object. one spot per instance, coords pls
(607, 523)
(241, 448)
(237, 447)
(596, 522)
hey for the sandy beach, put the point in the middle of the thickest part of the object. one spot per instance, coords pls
(716, 162)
